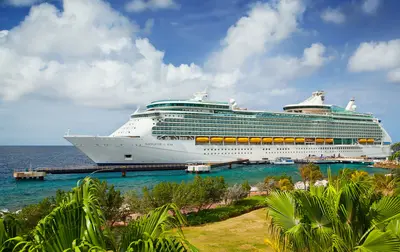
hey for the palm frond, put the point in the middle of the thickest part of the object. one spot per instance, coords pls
(379, 241)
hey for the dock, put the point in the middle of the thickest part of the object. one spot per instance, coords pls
(128, 168)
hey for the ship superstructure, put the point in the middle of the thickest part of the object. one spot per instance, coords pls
(182, 131)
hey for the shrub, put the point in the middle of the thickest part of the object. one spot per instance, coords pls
(225, 212)
(235, 193)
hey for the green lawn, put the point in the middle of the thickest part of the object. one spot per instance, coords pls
(242, 233)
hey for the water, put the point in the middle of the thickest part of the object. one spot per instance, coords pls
(16, 194)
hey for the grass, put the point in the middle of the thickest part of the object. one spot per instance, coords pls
(242, 233)
(225, 212)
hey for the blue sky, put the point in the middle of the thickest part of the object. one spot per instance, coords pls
(85, 65)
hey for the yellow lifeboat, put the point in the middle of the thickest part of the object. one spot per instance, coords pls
(267, 140)
(202, 139)
(216, 139)
(255, 140)
(319, 140)
(329, 140)
(230, 140)
(300, 140)
(362, 140)
(370, 140)
(243, 139)
(278, 140)
(289, 140)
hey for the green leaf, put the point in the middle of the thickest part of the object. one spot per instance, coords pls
(378, 241)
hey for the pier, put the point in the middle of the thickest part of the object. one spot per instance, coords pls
(128, 168)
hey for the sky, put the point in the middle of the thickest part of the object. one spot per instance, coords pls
(86, 65)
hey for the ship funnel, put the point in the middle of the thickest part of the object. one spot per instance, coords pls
(233, 103)
(351, 106)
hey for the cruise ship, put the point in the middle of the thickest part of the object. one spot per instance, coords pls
(199, 130)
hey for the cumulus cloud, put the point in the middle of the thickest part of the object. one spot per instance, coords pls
(92, 55)
(22, 3)
(333, 16)
(374, 56)
(370, 6)
(142, 5)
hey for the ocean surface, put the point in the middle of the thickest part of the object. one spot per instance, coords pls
(16, 194)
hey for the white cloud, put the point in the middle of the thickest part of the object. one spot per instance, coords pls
(148, 26)
(142, 5)
(90, 54)
(20, 3)
(265, 26)
(370, 6)
(374, 56)
(333, 16)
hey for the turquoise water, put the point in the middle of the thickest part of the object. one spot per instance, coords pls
(14, 195)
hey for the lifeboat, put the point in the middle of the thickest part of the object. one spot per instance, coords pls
(216, 139)
(362, 140)
(370, 140)
(255, 140)
(230, 140)
(300, 140)
(289, 140)
(319, 140)
(243, 139)
(267, 140)
(309, 140)
(278, 140)
(329, 140)
(202, 139)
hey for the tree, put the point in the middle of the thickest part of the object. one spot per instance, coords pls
(285, 184)
(235, 193)
(30, 215)
(206, 191)
(110, 202)
(344, 216)
(246, 186)
(310, 172)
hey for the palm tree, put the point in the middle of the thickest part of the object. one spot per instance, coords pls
(344, 216)
(78, 224)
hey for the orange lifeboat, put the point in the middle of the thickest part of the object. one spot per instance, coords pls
(319, 140)
(230, 140)
(309, 140)
(329, 140)
(267, 140)
(362, 140)
(243, 139)
(202, 139)
(255, 140)
(300, 140)
(370, 140)
(289, 140)
(216, 139)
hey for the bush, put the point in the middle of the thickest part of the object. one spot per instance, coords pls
(225, 212)
(235, 193)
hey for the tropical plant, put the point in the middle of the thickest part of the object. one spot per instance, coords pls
(79, 224)
(285, 185)
(344, 216)
(385, 184)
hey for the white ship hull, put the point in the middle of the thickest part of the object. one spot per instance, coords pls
(110, 150)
